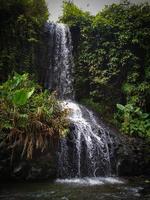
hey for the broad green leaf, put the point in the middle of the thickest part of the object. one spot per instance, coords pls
(21, 96)
(129, 107)
(120, 107)
(29, 94)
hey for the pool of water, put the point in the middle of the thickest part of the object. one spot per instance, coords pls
(78, 189)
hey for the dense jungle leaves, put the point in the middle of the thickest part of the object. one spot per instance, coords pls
(112, 60)
(21, 22)
(30, 119)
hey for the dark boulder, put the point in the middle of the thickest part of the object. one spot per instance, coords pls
(130, 156)
(41, 167)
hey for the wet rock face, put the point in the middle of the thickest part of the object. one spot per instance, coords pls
(131, 156)
(128, 156)
(85, 152)
(39, 168)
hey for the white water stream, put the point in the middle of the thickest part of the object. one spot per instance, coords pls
(85, 151)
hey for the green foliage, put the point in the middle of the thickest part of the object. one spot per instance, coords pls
(20, 97)
(133, 121)
(93, 105)
(112, 55)
(30, 118)
(73, 16)
(20, 28)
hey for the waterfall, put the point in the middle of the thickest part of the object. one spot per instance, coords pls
(58, 75)
(85, 151)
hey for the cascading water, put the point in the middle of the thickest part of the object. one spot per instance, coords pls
(85, 151)
(58, 75)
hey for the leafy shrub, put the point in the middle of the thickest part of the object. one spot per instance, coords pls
(73, 16)
(30, 118)
(133, 121)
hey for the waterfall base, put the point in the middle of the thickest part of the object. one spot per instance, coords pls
(130, 158)
(85, 151)
(90, 181)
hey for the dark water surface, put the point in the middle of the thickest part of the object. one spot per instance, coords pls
(78, 189)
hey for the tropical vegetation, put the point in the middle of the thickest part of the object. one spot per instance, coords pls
(31, 119)
(21, 25)
(112, 62)
(112, 71)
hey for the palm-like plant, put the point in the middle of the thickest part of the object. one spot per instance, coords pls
(30, 119)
